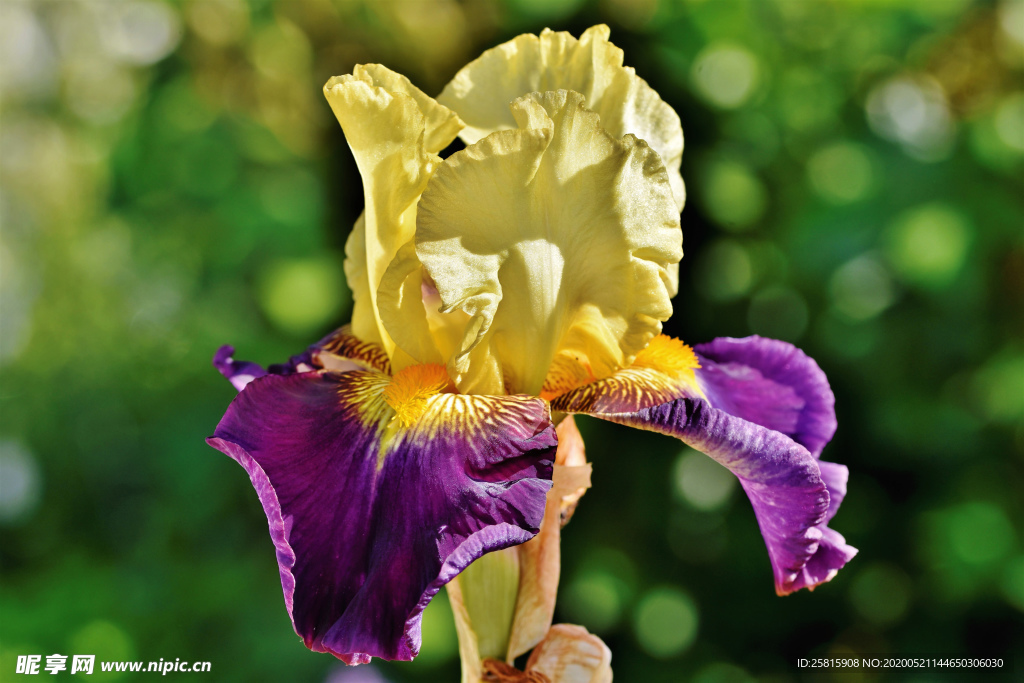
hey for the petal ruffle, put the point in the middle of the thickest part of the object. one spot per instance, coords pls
(481, 92)
(833, 551)
(772, 383)
(555, 238)
(395, 132)
(793, 494)
(440, 124)
(369, 518)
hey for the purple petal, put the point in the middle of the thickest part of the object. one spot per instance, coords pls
(835, 477)
(340, 351)
(238, 372)
(370, 519)
(782, 479)
(760, 393)
(771, 383)
(832, 555)
(833, 551)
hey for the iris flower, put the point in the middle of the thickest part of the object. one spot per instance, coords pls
(496, 291)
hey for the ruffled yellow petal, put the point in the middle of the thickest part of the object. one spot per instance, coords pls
(440, 123)
(592, 66)
(395, 131)
(556, 239)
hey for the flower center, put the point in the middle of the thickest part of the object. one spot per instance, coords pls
(567, 372)
(410, 388)
(663, 354)
(669, 356)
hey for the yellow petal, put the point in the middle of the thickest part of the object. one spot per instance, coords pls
(394, 131)
(405, 314)
(540, 557)
(440, 124)
(570, 654)
(483, 89)
(555, 238)
(364, 318)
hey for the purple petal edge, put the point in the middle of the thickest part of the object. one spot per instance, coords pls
(787, 486)
(771, 383)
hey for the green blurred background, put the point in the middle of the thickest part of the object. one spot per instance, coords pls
(172, 179)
